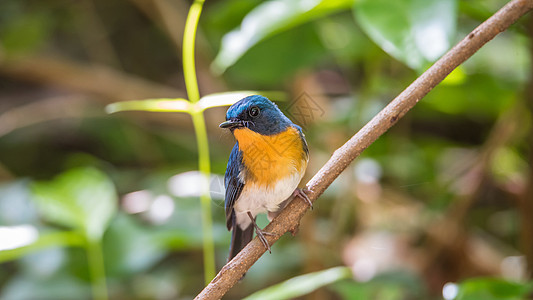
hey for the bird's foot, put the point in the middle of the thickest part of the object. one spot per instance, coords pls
(302, 193)
(261, 233)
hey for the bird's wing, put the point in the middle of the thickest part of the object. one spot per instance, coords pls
(304, 142)
(233, 183)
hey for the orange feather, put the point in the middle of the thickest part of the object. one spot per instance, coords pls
(269, 158)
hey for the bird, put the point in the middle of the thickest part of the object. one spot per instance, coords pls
(265, 166)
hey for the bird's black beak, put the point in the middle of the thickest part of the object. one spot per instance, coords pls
(231, 124)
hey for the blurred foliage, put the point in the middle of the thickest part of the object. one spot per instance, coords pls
(414, 32)
(83, 199)
(302, 285)
(389, 286)
(432, 210)
(489, 288)
(268, 19)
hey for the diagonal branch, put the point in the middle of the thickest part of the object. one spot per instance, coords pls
(289, 218)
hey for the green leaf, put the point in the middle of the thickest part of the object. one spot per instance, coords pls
(416, 32)
(272, 62)
(82, 198)
(302, 285)
(130, 248)
(492, 289)
(394, 285)
(52, 239)
(160, 105)
(268, 19)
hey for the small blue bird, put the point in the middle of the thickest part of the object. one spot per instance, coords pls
(264, 169)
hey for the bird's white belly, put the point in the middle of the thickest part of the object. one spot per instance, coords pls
(261, 199)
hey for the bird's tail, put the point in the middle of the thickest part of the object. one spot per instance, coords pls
(239, 239)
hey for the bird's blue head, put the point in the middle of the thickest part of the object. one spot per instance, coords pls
(258, 114)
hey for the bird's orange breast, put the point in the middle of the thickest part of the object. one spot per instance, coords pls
(269, 158)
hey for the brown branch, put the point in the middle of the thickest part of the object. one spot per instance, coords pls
(46, 109)
(289, 218)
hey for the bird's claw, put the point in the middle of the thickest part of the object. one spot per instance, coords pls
(261, 233)
(302, 193)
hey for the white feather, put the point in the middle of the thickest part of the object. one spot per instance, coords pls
(259, 199)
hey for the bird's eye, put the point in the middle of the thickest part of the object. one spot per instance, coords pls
(254, 111)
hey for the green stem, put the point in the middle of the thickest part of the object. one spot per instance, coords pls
(205, 198)
(95, 259)
(189, 38)
(191, 83)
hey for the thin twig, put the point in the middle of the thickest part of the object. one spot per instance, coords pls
(289, 218)
(47, 109)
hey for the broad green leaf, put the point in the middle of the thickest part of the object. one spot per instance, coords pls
(302, 285)
(129, 247)
(272, 62)
(268, 19)
(160, 105)
(493, 289)
(82, 198)
(416, 32)
(47, 240)
(395, 285)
